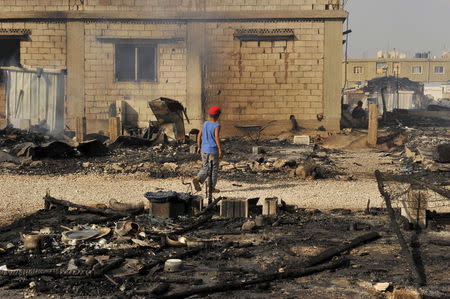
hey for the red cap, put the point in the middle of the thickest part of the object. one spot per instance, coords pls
(214, 110)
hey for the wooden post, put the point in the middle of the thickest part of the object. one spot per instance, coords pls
(373, 125)
(114, 128)
(414, 208)
(121, 111)
(80, 129)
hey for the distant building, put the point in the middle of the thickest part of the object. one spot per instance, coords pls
(391, 54)
(433, 90)
(424, 70)
(446, 91)
(396, 93)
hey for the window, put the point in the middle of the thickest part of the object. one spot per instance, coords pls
(358, 70)
(9, 54)
(396, 68)
(438, 69)
(135, 62)
(416, 70)
(381, 68)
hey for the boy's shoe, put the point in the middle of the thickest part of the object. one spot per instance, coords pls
(197, 185)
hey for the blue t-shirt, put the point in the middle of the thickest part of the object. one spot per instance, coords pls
(209, 145)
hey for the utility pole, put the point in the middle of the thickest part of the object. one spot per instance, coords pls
(396, 75)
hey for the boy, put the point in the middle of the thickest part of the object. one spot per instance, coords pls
(209, 146)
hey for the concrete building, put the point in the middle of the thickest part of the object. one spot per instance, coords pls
(424, 70)
(260, 60)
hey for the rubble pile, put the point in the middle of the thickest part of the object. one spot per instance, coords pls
(427, 148)
(392, 83)
(29, 153)
(119, 250)
(404, 118)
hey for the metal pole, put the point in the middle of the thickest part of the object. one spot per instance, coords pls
(419, 276)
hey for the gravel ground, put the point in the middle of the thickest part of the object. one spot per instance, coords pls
(23, 194)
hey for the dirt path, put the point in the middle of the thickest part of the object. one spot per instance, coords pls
(23, 194)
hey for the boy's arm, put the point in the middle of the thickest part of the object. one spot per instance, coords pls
(217, 138)
(199, 141)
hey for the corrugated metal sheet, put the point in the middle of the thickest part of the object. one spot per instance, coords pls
(36, 98)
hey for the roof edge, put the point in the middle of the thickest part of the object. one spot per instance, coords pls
(181, 16)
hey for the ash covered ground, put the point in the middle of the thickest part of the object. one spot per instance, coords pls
(218, 253)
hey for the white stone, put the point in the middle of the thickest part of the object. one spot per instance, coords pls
(381, 286)
(302, 139)
(169, 166)
(173, 265)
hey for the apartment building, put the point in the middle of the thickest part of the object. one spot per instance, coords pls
(424, 70)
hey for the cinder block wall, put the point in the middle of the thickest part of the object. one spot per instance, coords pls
(252, 81)
(101, 88)
(163, 5)
(255, 82)
(46, 48)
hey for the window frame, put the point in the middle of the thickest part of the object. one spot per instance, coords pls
(360, 68)
(416, 73)
(383, 70)
(136, 46)
(17, 58)
(439, 73)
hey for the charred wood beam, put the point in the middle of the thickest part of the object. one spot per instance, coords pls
(205, 217)
(419, 276)
(46, 272)
(99, 271)
(238, 285)
(64, 203)
(410, 180)
(309, 269)
(333, 251)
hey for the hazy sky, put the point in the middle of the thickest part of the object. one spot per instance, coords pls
(407, 25)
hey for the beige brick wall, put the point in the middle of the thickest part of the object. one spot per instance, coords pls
(258, 81)
(101, 89)
(163, 5)
(46, 46)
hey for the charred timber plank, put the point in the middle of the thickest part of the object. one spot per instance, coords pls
(201, 220)
(237, 285)
(333, 251)
(50, 200)
(62, 272)
(210, 206)
(310, 268)
(46, 272)
(420, 279)
(404, 179)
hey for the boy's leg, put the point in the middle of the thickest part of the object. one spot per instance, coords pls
(202, 174)
(204, 171)
(215, 170)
